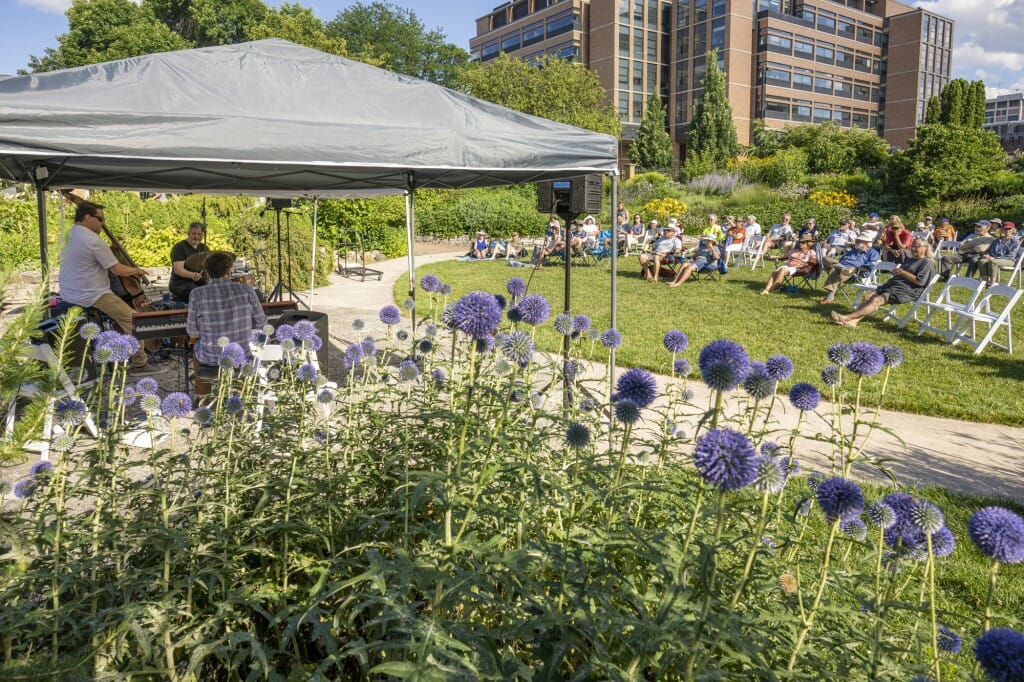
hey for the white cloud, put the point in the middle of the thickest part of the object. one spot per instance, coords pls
(51, 6)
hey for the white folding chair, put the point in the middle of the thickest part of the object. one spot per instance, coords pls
(1014, 270)
(946, 247)
(870, 280)
(735, 248)
(958, 295)
(986, 313)
(890, 312)
(753, 250)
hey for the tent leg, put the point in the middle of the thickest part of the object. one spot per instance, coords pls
(614, 283)
(43, 245)
(312, 267)
(410, 236)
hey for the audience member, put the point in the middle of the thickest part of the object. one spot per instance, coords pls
(810, 229)
(664, 250)
(1001, 254)
(753, 227)
(706, 256)
(554, 245)
(479, 245)
(906, 284)
(972, 248)
(873, 223)
(781, 233)
(841, 238)
(860, 257)
(714, 228)
(896, 240)
(943, 231)
(801, 261)
(736, 234)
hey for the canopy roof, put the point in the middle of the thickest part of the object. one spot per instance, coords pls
(273, 118)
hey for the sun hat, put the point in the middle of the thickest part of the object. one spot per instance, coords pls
(863, 237)
(995, 221)
(671, 227)
(673, 221)
(654, 221)
(709, 238)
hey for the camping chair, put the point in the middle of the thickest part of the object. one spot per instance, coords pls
(958, 295)
(985, 313)
(806, 280)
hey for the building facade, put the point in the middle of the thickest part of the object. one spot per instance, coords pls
(1004, 115)
(869, 64)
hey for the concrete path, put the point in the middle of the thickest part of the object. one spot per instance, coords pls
(983, 459)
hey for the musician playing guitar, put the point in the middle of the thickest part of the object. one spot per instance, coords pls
(85, 265)
(183, 281)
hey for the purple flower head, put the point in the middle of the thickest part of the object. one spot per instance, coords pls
(409, 303)
(581, 324)
(534, 309)
(40, 468)
(675, 341)
(779, 367)
(757, 383)
(627, 412)
(682, 367)
(325, 396)
(305, 330)
(577, 436)
(439, 375)
(881, 515)
(132, 342)
(483, 344)
(839, 354)
(150, 403)
(725, 459)
(855, 528)
(638, 385)
(804, 397)
(572, 369)
(313, 343)
(430, 283)
(943, 542)
(69, 411)
(723, 364)
(477, 314)
(949, 642)
(203, 415)
(257, 337)
(865, 359)
(128, 396)
(516, 287)
(501, 300)
(352, 356)
(1000, 653)
(430, 331)
(594, 334)
(234, 353)
(770, 476)
(518, 348)
(840, 499)
(358, 324)
(176, 405)
(830, 376)
(892, 356)
(814, 480)
(390, 315)
(24, 488)
(425, 345)
(514, 315)
(89, 331)
(611, 338)
(445, 289)
(563, 324)
(101, 355)
(998, 533)
(368, 346)
(284, 332)
(234, 405)
(408, 371)
(306, 372)
(927, 517)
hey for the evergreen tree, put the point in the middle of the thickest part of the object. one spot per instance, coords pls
(712, 134)
(953, 98)
(651, 150)
(976, 112)
(934, 112)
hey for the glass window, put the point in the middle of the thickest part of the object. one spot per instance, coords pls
(846, 27)
(682, 15)
(638, 107)
(700, 10)
(624, 104)
(718, 8)
(865, 34)
(533, 34)
(807, 14)
(652, 77)
(802, 49)
(682, 43)
(569, 52)
(638, 75)
(862, 63)
(623, 41)
(826, 22)
(844, 59)
(774, 108)
(844, 118)
(682, 77)
(700, 39)
(638, 12)
(510, 43)
(623, 10)
(700, 67)
(823, 85)
(718, 34)
(623, 74)
(803, 81)
(680, 108)
(499, 19)
(489, 51)
(843, 88)
(652, 14)
(823, 52)
(860, 119)
(638, 45)
(652, 46)
(777, 43)
(773, 76)
(822, 114)
(802, 111)
(561, 24)
(520, 10)
(862, 92)
(538, 5)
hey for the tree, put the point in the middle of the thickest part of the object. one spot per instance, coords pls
(651, 150)
(712, 134)
(299, 25)
(557, 89)
(934, 112)
(831, 149)
(976, 110)
(954, 102)
(210, 22)
(104, 30)
(946, 161)
(395, 38)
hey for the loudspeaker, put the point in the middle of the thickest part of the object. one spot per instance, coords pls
(322, 330)
(581, 194)
(279, 203)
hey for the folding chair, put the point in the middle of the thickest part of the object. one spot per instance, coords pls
(736, 248)
(1014, 271)
(946, 247)
(807, 280)
(985, 313)
(870, 281)
(890, 312)
(958, 295)
(753, 250)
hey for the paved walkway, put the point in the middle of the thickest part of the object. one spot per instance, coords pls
(984, 459)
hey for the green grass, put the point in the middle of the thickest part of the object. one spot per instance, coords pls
(937, 379)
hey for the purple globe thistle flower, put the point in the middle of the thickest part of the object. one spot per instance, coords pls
(577, 436)
(881, 515)
(306, 372)
(588, 405)
(1000, 653)
(839, 354)
(865, 359)
(203, 416)
(804, 397)
(563, 324)
(234, 405)
(943, 542)
(128, 396)
(675, 341)
(514, 315)
(40, 468)
(840, 499)
(439, 375)
(235, 354)
(757, 383)
(358, 325)
(225, 363)
(68, 411)
(352, 356)
(723, 364)
(627, 412)
(445, 289)
(430, 331)
(390, 315)
(430, 283)
(150, 403)
(325, 396)
(314, 343)
(534, 309)
(637, 385)
(854, 528)
(24, 488)
(101, 355)
(62, 442)
(998, 533)
(516, 287)
(725, 459)
(257, 337)
(518, 347)
(408, 371)
(305, 330)
(581, 324)
(594, 334)
(448, 316)
(89, 331)
(611, 338)
(779, 367)
(927, 517)
(770, 476)
(571, 369)
(176, 404)
(409, 303)
(117, 345)
(892, 356)
(425, 345)
(483, 344)
(830, 376)
(369, 347)
(682, 367)
(402, 335)
(285, 332)
(949, 642)
(501, 300)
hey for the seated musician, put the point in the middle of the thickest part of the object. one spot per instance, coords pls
(222, 308)
(183, 281)
(86, 264)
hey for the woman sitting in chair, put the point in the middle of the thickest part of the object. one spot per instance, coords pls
(801, 261)
(555, 245)
(705, 257)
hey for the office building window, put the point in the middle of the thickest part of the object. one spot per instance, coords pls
(520, 10)
(652, 77)
(624, 11)
(807, 14)
(682, 15)
(823, 85)
(638, 75)
(843, 88)
(822, 114)
(700, 10)
(700, 38)
(826, 22)
(638, 45)
(638, 12)
(489, 51)
(774, 76)
(803, 81)
(652, 14)
(680, 108)
(776, 109)
(865, 34)
(510, 43)
(624, 105)
(844, 59)
(824, 53)
(652, 46)
(717, 8)
(538, 5)
(700, 68)
(802, 49)
(718, 34)
(862, 63)
(638, 107)
(779, 43)
(802, 111)
(533, 33)
(623, 41)
(499, 19)
(846, 27)
(562, 23)
(844, 117)
(862, 92)
(682, 43)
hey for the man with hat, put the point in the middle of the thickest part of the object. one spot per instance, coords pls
(861, 256)
(906, 284)
(664, 250)
(874, 223)
(801, 261)
(972, 248)
(706, 256)
(1002, 253)
(944, 231)
(183, 280)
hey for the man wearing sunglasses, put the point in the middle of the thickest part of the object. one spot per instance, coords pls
(86, 264)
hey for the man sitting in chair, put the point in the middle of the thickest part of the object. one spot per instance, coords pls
(664, 250)
(705, 257)
(905, 285)
(801, 261)
(861, 256)
(222, 308)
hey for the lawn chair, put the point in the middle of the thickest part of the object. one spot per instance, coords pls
(1014, 271)
(891, 312)
(985, 313)
(946, 247)
(806, 280)
(753, 250)
(871, 280)
(958, 295)
(735, 248)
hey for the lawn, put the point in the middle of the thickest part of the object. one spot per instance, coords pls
(937, 379)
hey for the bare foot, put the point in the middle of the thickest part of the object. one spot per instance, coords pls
(673, 284)
(765, 292)
(827, 300)
(842, 321)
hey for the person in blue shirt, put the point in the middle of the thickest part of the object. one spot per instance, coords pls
(861, 256)
(1002, 253)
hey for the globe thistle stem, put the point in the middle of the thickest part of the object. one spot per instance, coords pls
(755, 544)
(930, 570)
(709, 570)
(812, 612)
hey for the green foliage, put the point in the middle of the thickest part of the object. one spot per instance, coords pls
(368, 224)
(831, 149)
(764, 140)
(499, 211)
(19, 234)
(395, 38)
(651, 150)
(697, 164)
(976, 105)
(556, 89)
(946, 161)
(712, 134)
(299, 25)
(934, 111)
(212, 22)
(645, 187)
(962, 104)
(785, 166)
(1004, 183)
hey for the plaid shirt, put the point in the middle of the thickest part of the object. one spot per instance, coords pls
(222, 308)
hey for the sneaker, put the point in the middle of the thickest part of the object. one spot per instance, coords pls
(145, 370)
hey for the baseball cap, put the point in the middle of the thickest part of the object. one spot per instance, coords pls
(872, 215)
(984, 223)
(1009, 226)
(995, 221)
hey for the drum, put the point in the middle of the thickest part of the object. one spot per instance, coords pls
(244, 277)
(196, 262)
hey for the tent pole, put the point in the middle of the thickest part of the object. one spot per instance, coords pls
(410, 237)
(44, 256)
(312, 270)
(614, 283)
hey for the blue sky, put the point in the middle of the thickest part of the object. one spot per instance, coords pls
(987, 38)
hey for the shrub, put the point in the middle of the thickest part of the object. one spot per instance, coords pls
(833, 198)
(782, 167)
(722, 184)
(663, 209)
